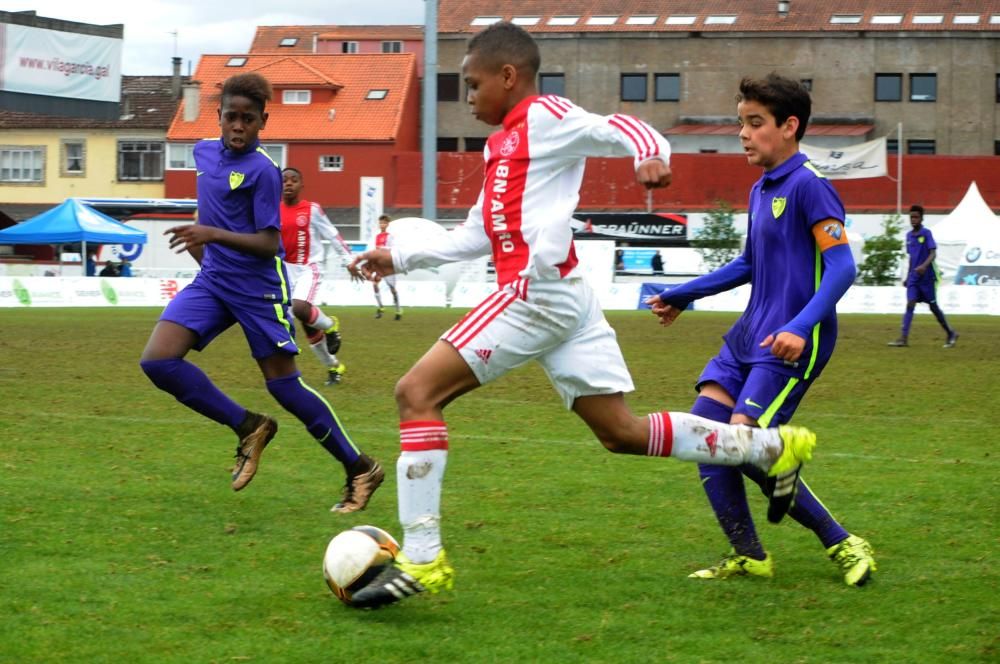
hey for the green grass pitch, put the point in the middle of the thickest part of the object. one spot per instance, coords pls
(121, 541)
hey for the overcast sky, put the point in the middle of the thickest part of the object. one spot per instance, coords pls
(211, 26)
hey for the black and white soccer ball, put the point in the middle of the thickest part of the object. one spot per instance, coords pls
(355, 557)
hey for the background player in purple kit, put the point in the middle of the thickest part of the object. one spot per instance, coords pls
(243, 280)
(798, 263)
(921, 279)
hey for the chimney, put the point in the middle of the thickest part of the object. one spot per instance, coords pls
(175, 82)
(315, 41)
(192, 95)
(783, 7)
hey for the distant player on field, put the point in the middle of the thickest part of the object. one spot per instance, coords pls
(798, 264)
(544, 310)
(384, 241)
(921, 279)
(237, 242)
(303, 226)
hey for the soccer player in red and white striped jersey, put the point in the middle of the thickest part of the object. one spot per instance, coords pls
(543, 310)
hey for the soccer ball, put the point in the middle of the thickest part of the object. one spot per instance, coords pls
(355, 557)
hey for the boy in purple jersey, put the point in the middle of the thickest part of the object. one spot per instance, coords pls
(921, 279)
(798, 263)
(237, 241)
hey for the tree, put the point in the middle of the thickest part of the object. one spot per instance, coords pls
(882, 254)
(717, 240)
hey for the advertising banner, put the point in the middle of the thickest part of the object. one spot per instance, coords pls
(631, 227)
(59, 64)
(850, 162)
(372, 201)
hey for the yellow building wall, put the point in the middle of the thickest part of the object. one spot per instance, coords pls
(100, 177)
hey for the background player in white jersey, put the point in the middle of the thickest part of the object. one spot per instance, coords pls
(544, 310)
(303, 227)
(384, 241)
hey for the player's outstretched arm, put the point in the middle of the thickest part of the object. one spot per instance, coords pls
(653, 174)
(667, 313)
(372, 264)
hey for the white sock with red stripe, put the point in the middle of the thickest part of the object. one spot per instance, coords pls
(319, 320)
(691, 438)
(419, 475)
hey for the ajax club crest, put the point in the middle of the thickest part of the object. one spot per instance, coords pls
(510, 143)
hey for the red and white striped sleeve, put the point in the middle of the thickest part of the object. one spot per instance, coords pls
(561, 128)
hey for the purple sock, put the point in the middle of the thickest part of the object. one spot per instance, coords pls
(807, 510)
(192, 387)
(316, 413)
(724, 487)
(907, 320)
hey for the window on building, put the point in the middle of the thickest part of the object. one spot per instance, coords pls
(892, 146)
(807, 83)
(474, 144)
(289, 41)
(392, 47)
(996, 148)
(552, 84)
(564, 20)
(331, 162)
(447, 144)
(668, 87)
(349, 47)
(276, 151)
(140, 160)
(236, 62)
(296, 96)
(923, 87)
(447, 87)
(633, 87)
(888, 87)
(920, 146)
(22, 163)
(73, 157)
(708, 150)
(377, 94)
(180, 156)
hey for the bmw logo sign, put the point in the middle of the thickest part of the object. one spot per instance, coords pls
(973, 254)
(129, 251)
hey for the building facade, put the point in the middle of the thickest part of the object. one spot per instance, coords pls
(336, 118)
(931, 65)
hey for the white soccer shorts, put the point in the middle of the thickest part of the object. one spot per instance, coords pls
(304, 280)
(558, 323)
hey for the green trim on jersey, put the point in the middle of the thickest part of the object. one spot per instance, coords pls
(765, 419)
(269, 158)
(807, 164)
(281, 278)
(279, 312)
(815, 330)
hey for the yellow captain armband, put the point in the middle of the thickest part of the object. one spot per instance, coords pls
(829, 233)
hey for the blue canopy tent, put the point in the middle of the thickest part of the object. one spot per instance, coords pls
(72, 221)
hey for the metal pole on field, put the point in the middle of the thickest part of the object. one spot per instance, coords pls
(429, 142)
(899, 168)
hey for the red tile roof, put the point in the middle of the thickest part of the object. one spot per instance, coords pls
(348, 116)
(268, 38)
(456, 16)
(734, 129)
(147, 103)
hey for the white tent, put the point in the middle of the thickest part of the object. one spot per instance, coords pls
(970, 220)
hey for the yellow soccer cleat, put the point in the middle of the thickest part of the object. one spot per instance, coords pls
(734, 564)
(856, 559)
(403, 579)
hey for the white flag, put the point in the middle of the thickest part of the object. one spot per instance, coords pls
(850, 162)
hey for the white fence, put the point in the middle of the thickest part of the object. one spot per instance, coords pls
(149, 292)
